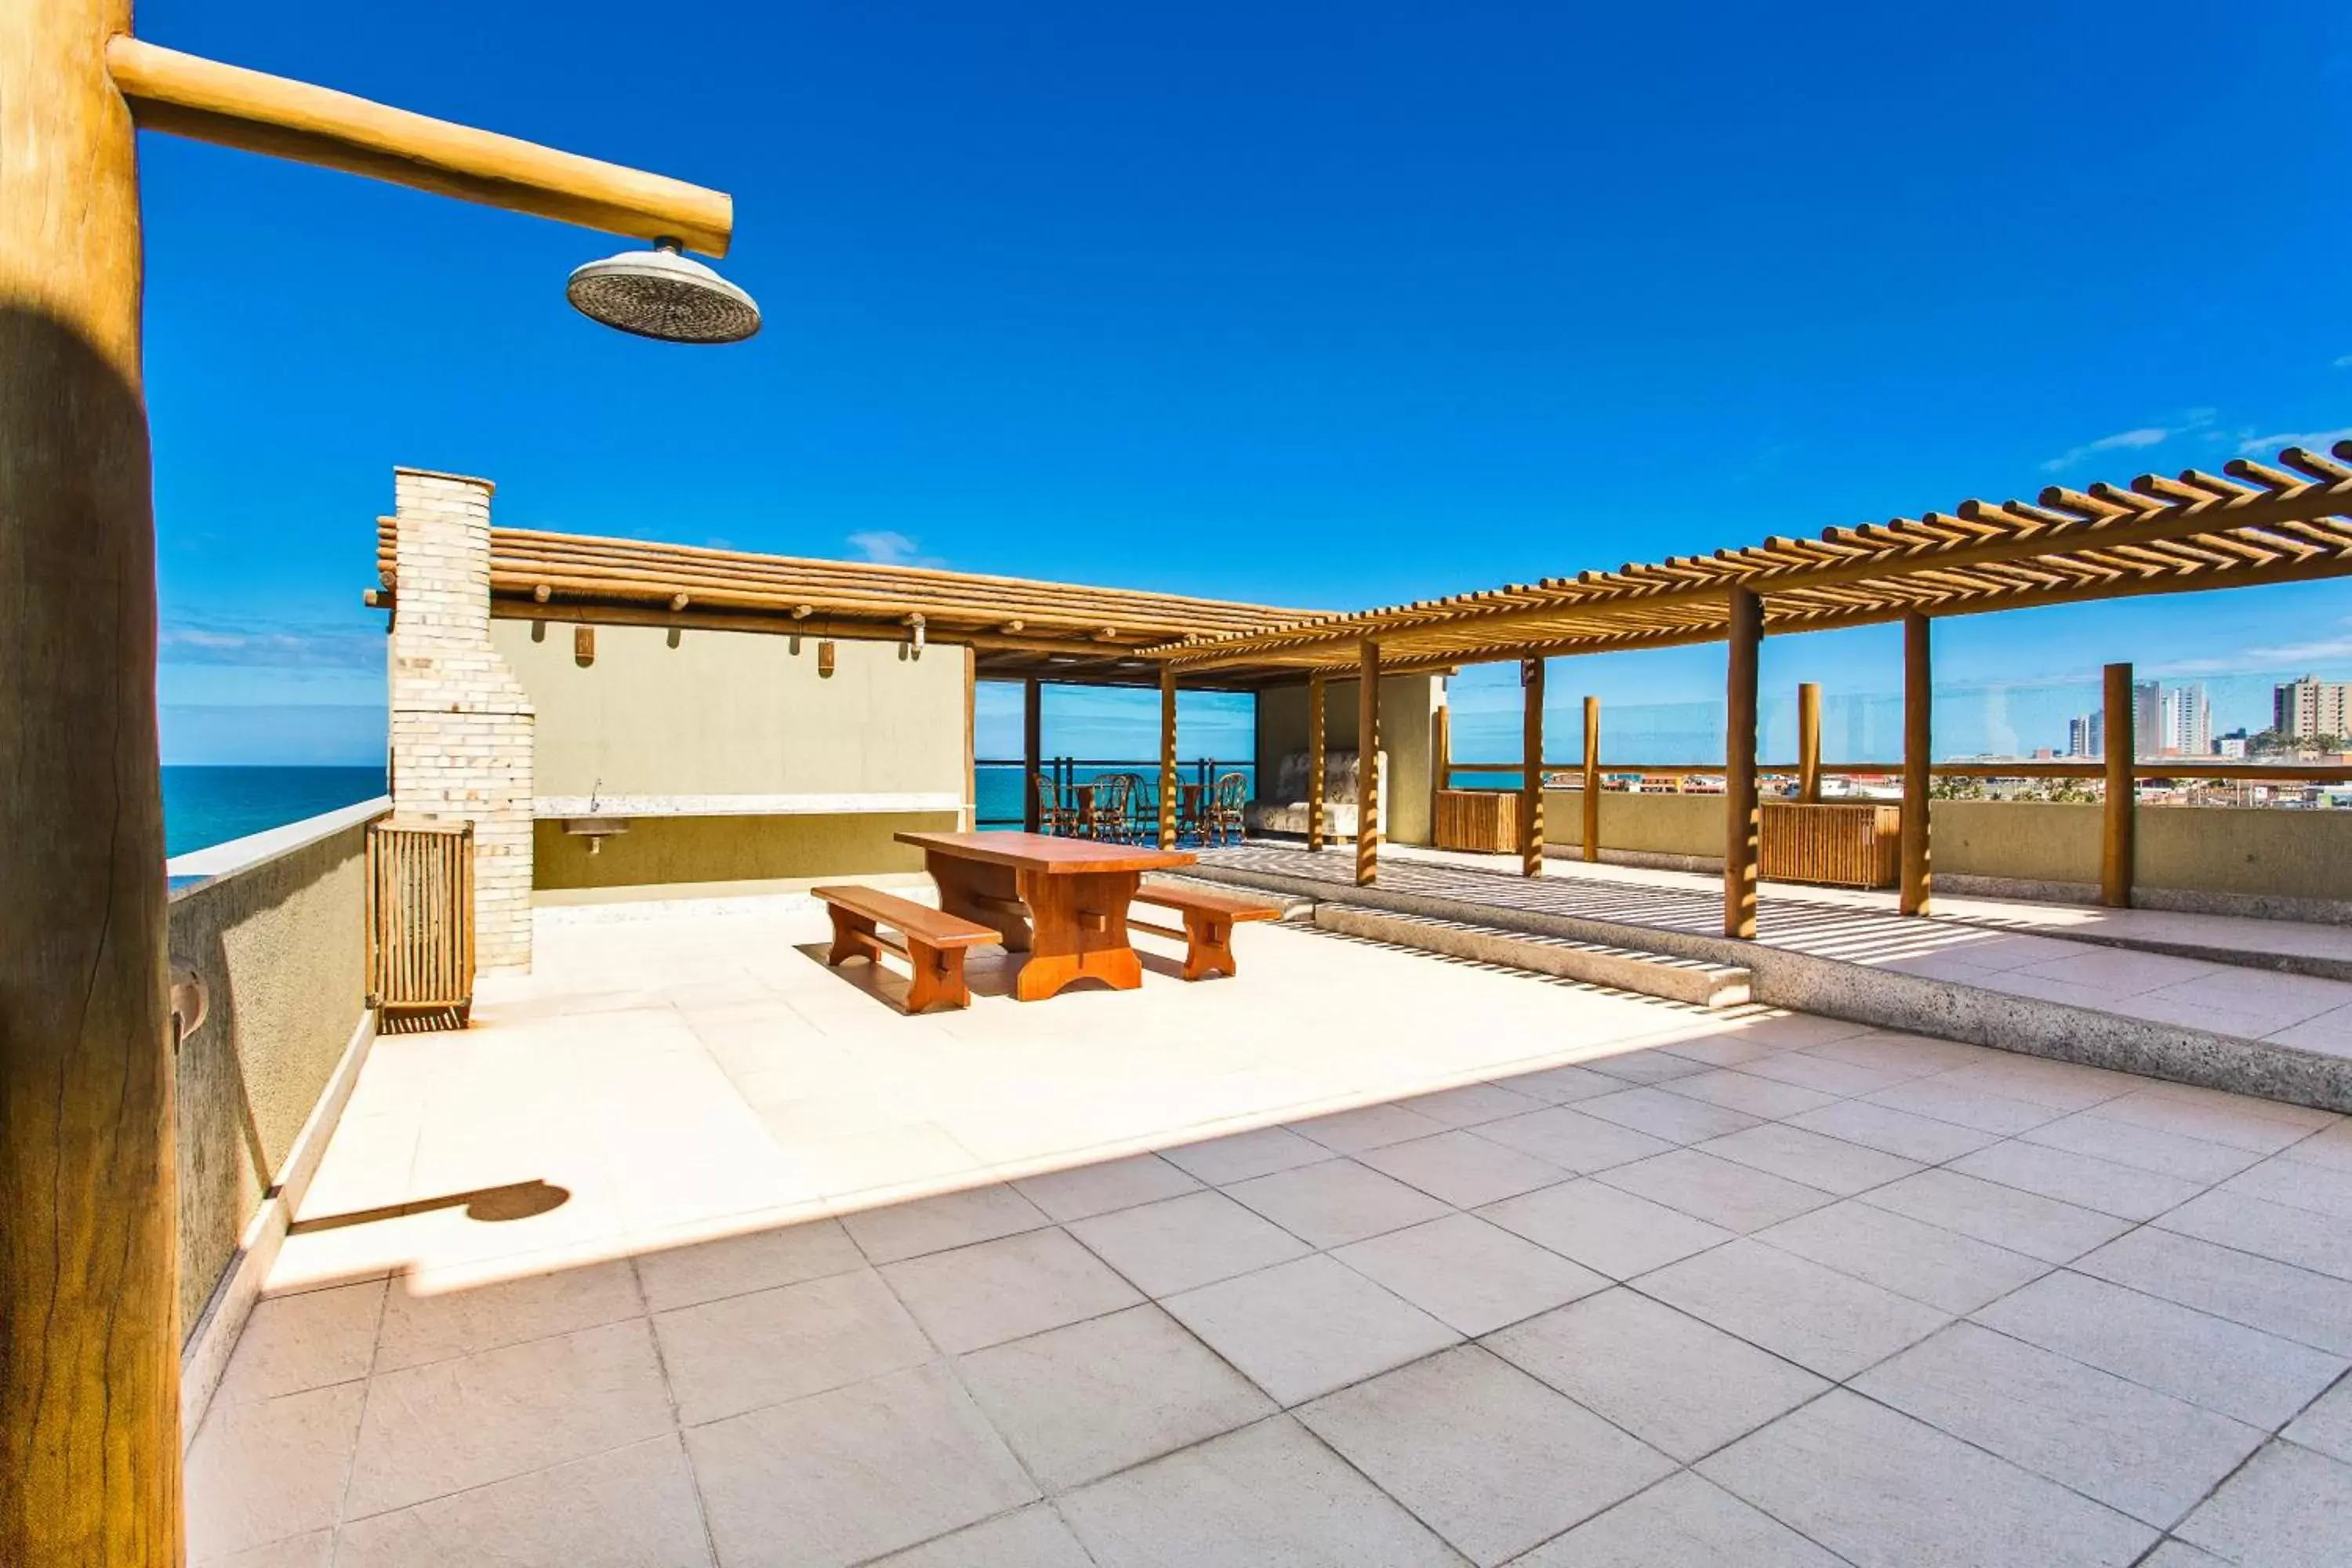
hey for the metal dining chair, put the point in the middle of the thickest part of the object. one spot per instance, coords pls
(1109, 817)
(1052, 817)
(1223, 813)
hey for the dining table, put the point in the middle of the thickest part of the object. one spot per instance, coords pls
(1061, 901)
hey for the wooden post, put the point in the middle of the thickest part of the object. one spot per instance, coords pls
(90, 1362)
(1315, 761)
(1168, 758)
(2121, 750)
(209, 102)
(1917, 876)
(1809, 743)
(1746, 628)
(1032, 750)
(1592, 778)
(1368, 763)
(1441, 746)
(970, 738)
(1531, 740)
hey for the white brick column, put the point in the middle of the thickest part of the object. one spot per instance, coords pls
(461, 725)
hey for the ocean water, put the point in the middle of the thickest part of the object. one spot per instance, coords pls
(204, 806)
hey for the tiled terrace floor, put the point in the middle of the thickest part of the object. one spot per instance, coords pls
(1577, 1278)
(2054, 953)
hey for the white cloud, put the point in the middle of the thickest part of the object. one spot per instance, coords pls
(2189, 421)
(888, 547)
(2121, 440)
(2315, 440)
(2324, 650)
(882, 545)
(290, 644)
(2344, 362)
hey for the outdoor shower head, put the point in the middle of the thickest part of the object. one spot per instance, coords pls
(660, 294)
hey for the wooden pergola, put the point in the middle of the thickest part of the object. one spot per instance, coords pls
(1007, 628)
(2252, 524)
(1017, 628)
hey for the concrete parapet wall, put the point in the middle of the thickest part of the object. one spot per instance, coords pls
(281, 944)
(2287, 864)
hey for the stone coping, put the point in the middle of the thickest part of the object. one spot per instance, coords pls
(1893, 999)
(226, 860)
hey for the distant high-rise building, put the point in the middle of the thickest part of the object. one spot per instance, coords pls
(2233, 744)
(2147, 719)
(2185, 723)
(2312, 707)
(2086, 735)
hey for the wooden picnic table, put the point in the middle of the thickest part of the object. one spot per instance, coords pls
(1061, 900)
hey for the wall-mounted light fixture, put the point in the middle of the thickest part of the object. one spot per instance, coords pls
(914, 648)
(583, 645)
(824, 658)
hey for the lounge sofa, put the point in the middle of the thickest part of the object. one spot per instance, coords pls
(1283, 807)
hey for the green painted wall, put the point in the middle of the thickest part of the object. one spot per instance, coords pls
(2250, 850)
(736, 714)
(1646, 824)
(672, 857)
(2024, 840)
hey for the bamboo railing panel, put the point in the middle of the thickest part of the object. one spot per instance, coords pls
(1483, 821)
(1846, 846)
(420, 917)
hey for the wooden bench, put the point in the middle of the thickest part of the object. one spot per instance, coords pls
(934, 942)
(1209, 920)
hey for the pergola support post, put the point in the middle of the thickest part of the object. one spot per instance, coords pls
(1809, 743)
(970, 738)
(1592, 779)
(1168, 756)
(1746, 635)
(1033, 750)
(1315, 695)
(1440, 744)
(1917, 879)
(1531, 741)
(2122, 750)
(1368, 763)
(90, 1362)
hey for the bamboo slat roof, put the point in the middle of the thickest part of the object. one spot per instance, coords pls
(2254, 524)
(1020, 627)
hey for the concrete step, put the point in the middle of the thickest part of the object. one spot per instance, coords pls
(1688, 980)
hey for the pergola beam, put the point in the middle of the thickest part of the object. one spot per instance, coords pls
(1985, 558)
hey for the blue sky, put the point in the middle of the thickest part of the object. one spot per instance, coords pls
(1318, 304)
